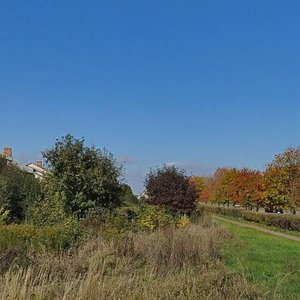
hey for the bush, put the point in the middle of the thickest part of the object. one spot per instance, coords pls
(4, 214)
(48, 210)
(183, 221)
(151, 217)
(170, 188)
(142, 217)
(290, 222)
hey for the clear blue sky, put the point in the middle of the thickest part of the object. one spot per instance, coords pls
(198, 83)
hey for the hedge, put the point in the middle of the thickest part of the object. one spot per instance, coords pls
(285, 221)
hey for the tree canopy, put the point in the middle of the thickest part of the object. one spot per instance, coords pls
(282, 179)
(170, 187)
(86, 178)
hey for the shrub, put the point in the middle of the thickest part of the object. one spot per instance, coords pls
(142, 217)
(150, 217)
(184, 220)
(169, 187)
(4, 214)
(48, 210)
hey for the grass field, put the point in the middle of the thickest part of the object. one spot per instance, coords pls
(264, 259)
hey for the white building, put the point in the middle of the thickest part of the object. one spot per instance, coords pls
(37, 169)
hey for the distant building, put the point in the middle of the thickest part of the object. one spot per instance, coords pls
(36, 169)
(143, 196)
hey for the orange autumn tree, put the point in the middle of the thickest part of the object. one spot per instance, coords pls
(247, 189)
(209, 190)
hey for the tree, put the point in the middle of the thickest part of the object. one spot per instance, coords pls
(224, 178)
(282, 179)
(169, 187)
(209, 190)
(198, 182)
(86, 178)
(276, 191)
(127, 195)
(247, 188)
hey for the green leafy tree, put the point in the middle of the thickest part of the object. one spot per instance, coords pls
(169, 187)
(127, 196)
(86, 178)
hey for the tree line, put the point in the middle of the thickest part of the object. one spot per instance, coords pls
(275, 189)
(84, 181)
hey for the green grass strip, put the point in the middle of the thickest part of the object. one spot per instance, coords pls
(271, 261)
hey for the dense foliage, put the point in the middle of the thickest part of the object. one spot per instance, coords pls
(126, 195)
(247, 188)
(275, 189)
(18, 191)
(83, 178)
(282, 179)
(170, 187)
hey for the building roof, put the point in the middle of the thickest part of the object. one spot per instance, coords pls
(15, 163)
(37, 170)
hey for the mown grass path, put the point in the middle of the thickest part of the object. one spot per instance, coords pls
(267, 258)
(259, 228)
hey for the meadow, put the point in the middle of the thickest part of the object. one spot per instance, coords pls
(167, 263)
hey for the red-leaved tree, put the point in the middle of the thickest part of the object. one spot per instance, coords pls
(169, 187)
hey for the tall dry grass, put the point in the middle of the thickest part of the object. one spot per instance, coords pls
(166, 264)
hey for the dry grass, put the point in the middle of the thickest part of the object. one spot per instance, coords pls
(166, 264)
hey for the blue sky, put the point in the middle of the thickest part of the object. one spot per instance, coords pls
(201, 84)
